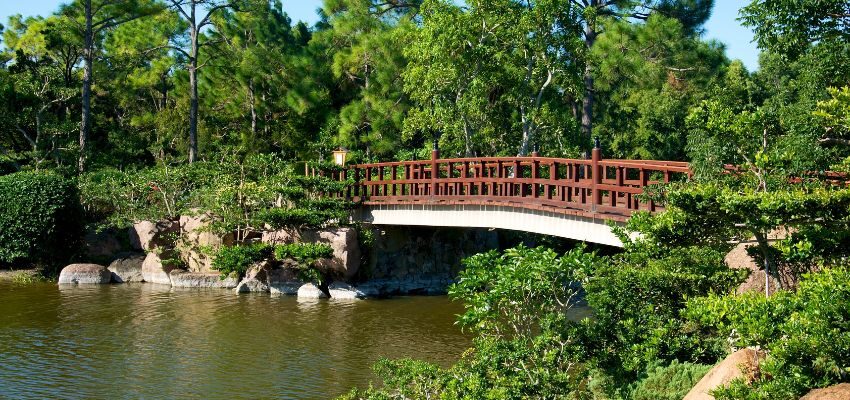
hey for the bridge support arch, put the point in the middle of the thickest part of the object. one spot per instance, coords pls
(558, 224)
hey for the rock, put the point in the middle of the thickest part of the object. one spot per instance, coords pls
(102, 245)
(371, 289)
(311, 291)
(282, 236)
(84, 274)
(188, 279)
(154, 271)
(285, 288)
(742, 363)
(259, 271)
(249, 285)
(836, 392)
(283, 281)
(127, 269)
(342, 290)
(195, 235)
(343, 241)
(147, 235)
(739, 259)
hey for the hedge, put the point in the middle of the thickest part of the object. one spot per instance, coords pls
(40, 219)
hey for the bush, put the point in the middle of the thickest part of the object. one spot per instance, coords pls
(672, 382)
(238, 258)
(637, 300)
(805, 334)
(40, 219)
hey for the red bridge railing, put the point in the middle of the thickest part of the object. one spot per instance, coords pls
(596, 188)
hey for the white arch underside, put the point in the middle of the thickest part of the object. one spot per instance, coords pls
(498, 217)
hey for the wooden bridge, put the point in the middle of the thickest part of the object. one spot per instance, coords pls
(570, 198)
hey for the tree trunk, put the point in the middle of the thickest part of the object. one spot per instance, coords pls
(85, 126)
(251, 101)
(769, 262)
(193, 91)
(588, 100)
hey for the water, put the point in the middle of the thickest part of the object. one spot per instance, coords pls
(149, 341)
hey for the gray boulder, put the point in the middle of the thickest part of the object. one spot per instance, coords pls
(188, 279)
(284, 281)
(256, 279)
(127, 269)
(84, 274)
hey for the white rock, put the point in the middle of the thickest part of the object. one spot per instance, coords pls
(342, 290)
(311, 291)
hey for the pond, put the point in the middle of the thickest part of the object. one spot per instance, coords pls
(150, 341)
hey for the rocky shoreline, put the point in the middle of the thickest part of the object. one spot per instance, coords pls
(399, 261)
(260, 279)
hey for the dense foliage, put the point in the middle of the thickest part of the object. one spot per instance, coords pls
(40, 219)
(805, 334)
(247, 196)
(169, 108)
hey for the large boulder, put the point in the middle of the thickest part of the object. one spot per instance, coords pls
(742, 363)
(343, 241)
(311, 291)
(148, 235)
(837, 392)
(103, 245)
(84, 274)
(127, 268)
(154, 270)
(195, 234)
(188, 279)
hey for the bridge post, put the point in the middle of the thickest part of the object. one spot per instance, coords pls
(435, 172)
(595, 158)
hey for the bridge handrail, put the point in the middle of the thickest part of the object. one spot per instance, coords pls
(596, 187)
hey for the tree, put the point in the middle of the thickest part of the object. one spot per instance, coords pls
(594, 13)
(475, 102)
(92, 17)
(648, 76)
(270, 109)
(197, 14)
(789, 27)
(366, 38)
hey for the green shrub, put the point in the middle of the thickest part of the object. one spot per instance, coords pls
(637, 300)
(238, 258)
(40, 219)
(305, 255)
(672, 382)
(805, 334)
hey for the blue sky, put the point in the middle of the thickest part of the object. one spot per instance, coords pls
(722, 25)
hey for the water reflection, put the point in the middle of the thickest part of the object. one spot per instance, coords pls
(143, 341)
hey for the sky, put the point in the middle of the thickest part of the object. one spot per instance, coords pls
(722, 25)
